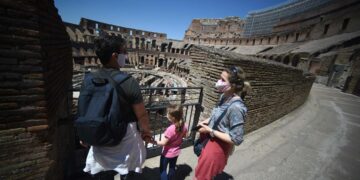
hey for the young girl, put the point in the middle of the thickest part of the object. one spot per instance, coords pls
(172, 141)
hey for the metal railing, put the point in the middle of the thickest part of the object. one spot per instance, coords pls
(157, 99)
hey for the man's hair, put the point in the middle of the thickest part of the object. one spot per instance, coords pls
(105, 45)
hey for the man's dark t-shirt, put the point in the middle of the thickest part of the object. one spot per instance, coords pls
(132, 91)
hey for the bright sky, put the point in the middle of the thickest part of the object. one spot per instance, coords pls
(172, 17)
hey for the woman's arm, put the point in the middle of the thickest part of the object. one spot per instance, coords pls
(218, 134)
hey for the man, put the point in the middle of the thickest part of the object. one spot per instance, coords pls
(130, 154)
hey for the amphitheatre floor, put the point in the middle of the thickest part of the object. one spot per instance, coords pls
(319, 140)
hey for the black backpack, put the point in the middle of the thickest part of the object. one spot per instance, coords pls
(103, 113)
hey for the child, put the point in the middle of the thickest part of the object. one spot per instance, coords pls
(172, 141)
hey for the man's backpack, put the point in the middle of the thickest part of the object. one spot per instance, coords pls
(103, 113)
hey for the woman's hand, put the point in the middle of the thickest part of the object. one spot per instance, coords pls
(204, 127)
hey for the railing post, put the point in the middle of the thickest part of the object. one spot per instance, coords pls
(198, 109)
(183, 92)
(150, 97)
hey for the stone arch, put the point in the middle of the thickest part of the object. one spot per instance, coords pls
(90, 52)
(161, 62)
(82, 52)
(295, 60)
(286, 60)
(352, 83)
(278, 59)
(75, 52)
(86, 61)
(79, 35)
(71, 34)
(93, 61)
(142, 60)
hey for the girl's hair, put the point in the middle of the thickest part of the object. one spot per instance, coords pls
(237, 80)
(176, 111)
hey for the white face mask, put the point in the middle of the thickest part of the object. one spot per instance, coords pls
(222, 86)
(121, 59)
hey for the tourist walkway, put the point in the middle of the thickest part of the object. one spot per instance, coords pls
(319, 140)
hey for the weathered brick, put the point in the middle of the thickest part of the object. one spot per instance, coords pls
(11, 131)
(20, 68)
(9, 105)
(10, 76)
(12, 61)
(33, 76)
(22, 98)
(30, 61)
(37, 128)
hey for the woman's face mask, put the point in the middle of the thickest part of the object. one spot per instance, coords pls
(121, 59)
(222, 86)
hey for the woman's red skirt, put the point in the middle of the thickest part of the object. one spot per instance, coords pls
(213, 159)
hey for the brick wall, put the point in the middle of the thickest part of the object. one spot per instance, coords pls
(277, 89)
(35, 73)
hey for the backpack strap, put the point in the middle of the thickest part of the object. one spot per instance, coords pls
(101, 74)
(119, 91)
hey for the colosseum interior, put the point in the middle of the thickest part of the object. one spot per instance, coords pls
(283, 50)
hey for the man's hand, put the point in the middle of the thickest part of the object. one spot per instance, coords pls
(84, 144)
(146, 136)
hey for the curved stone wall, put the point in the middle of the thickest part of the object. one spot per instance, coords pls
(36, 131)
(277, 88)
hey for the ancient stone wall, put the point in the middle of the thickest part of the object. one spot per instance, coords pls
(36, 71)
(277, 89)
(353, 84)
(336, 16)
(115, 29)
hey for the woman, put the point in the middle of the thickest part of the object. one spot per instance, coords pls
(229, 129)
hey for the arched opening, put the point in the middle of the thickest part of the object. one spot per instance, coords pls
(286, 60)
(142, 60)
(93, 61)
(271, 57)
(161, 62)
(295, 60)
(278, 59)
(86, 61)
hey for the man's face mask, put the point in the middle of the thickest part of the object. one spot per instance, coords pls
(121, 59)
(222, 86)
